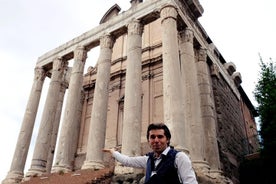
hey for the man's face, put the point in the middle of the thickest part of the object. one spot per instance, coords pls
(158, 141)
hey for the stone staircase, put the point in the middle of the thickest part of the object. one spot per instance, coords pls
(101, 176)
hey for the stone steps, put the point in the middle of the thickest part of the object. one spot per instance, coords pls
(102, 176)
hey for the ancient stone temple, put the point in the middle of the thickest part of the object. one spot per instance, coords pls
(156, 64)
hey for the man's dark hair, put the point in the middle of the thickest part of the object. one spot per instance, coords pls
(157, 126)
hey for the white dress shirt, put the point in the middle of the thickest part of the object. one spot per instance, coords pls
(182, 163)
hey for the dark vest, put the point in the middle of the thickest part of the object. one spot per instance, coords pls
(166, 173)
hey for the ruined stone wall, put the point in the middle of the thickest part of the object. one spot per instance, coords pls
(231, 131)
(251, 129)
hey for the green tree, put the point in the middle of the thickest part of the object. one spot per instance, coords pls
(265, 95)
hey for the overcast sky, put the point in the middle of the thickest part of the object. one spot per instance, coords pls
(241, 29)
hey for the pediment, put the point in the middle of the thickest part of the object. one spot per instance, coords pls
(112, 12)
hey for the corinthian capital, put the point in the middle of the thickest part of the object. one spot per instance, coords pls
(168, 11)
(57, 63)
(187, 35)
(135, 28)
(202, 55)
(40, 74)
(106, 41)
(80, 53)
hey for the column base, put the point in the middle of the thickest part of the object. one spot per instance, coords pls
(126, 178)
(182, 149)
(201, 166)
(215, 176)
(216, 173)
(95, 165)
(13, 177)
(34, 172)
(61, 168)
(206, 175)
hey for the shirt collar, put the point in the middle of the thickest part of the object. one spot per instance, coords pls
(165, 152)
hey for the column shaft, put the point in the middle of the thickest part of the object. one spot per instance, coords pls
(191, 100)
(16, 172)
(133, 91)
(172, 91)
(131, 140)
(55, 128)
(42, 146)
(70, 125)
(208, 112)
(97, 129)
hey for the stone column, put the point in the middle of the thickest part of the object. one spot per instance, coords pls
(172, 91)
(56, 127)
(16, 172)
(70, 125)
(208, 112)
(42, 146)
(131, 141)
(97, 129)
(194, 126)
